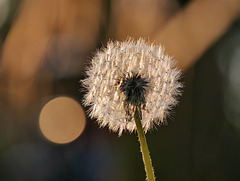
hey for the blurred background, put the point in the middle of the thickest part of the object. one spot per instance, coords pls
(44, 49)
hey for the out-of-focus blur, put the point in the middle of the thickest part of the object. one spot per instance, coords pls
(44, 49)
(4, 7)
(62, 120)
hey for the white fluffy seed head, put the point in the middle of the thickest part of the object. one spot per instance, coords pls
(120, 59)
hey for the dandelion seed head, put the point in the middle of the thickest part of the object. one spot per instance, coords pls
(127, 74)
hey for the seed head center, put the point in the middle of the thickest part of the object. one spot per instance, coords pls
(134, 88)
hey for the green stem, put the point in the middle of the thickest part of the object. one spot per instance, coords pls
(144, 147)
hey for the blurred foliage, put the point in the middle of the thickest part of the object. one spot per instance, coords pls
(13, 5)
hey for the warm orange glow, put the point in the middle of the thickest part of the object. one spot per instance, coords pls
(62, 120)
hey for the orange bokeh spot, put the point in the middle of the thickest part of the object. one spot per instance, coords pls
(62, 120)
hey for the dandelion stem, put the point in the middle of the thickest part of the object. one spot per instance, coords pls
(144, 147)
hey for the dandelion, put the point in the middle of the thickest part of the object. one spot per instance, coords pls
(132, 86)
(128, 74)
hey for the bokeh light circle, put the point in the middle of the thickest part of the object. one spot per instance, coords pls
(62, 120)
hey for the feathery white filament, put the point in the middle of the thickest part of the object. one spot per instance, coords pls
(116, 61)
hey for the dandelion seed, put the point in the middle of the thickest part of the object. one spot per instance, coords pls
(128, 74)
